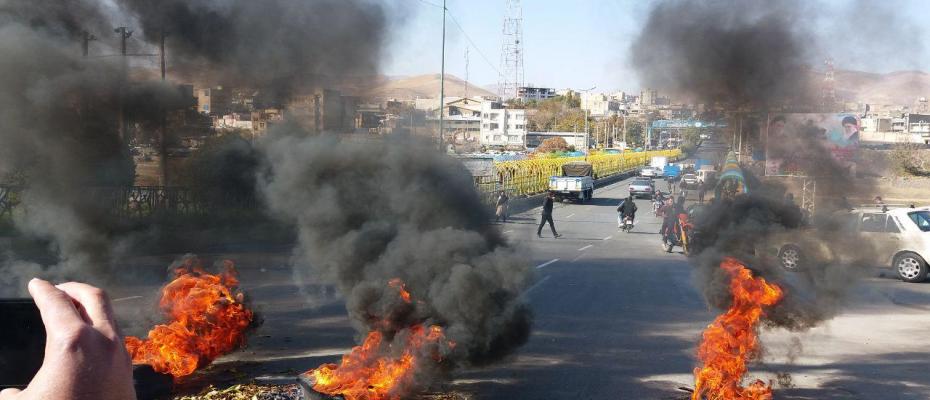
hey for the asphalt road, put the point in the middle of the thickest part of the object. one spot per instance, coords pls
(615, 318)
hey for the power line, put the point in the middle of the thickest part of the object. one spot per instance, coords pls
(430, 4)
(464, 33)
(472, 42)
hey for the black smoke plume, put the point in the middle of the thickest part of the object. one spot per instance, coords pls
(276, 45)
(737, 53)
(58, 136)
(370, 211)
(752, 55)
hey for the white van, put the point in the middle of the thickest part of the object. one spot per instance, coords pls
(899, 239)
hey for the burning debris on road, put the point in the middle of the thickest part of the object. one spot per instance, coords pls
(207, 317)
(368, 213)
(731, 340)
(382, 369)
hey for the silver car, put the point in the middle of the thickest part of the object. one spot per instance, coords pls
(899, 238)
(642, 188)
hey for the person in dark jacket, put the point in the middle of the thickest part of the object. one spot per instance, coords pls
(670, 218)
(501, 212)
(547, 216)
(626, 209)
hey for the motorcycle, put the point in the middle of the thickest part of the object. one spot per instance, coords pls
(679, 235)
(626, 224)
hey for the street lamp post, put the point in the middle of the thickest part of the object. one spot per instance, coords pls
(586, 116)
(442, 79)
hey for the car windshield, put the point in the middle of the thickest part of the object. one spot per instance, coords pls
(922, 219)
(641, 183)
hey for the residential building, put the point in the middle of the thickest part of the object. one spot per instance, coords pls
(213, 101)
(527, 93)
(263, 119)
(599, 104)
(502, 127)
(876, 124)
(649, 97)
(233, 121)
(576, 139)
(324, 110)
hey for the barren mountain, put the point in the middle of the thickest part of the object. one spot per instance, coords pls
(901, 87)
(424, 86)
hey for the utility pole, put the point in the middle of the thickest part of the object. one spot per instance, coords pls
(586, 111)
(442, 79)
(85, 43)
(466, 75)
(124, 34)
(163, 139)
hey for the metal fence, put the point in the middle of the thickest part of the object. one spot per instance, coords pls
(145, 201)
(528, 177)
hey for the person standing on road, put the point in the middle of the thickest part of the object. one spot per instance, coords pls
(547, 217)
(501, 213)
(702, 190)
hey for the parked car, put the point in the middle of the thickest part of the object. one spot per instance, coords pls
(649, 172)
(705, 175)
(689, 181)
(898, 238)
(642, 188)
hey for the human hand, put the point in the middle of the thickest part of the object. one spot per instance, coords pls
(84, 354)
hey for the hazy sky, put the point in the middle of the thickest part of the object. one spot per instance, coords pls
(582, 43)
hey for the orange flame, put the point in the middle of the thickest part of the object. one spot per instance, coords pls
(732, 339)
(207, 318)
(401, 287)
(373, 371)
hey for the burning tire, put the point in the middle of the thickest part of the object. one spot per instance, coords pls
(910, 267)
(790, 258)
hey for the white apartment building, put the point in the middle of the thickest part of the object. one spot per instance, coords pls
(502, 127)
(599, 104)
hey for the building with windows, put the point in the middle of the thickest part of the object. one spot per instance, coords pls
(213, 101)
(527, 93)
(501, 127)
(599, 104)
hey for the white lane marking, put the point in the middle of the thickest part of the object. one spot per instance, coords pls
(509, 231)
(570, 215)
(586, 247)
(540, 266)
(578, 258)
(126, 298)
(608, 238)
(527, 291)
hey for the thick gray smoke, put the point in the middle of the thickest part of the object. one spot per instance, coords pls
(58, 137)
(278, 45)
(752, 55)
(368, 212)
(724, 51)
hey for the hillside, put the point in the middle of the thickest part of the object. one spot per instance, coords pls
(423, 86)
(901, 87)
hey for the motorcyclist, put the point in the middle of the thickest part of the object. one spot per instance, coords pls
(626, 209)
(670, 212)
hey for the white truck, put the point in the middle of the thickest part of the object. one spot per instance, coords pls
(658, 162)
(576, 182)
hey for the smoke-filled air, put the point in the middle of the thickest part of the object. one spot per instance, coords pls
(755, 55)
(369, 212)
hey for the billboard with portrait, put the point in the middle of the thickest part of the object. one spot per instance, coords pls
(811, 144)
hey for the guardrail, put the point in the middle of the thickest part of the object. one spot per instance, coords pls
(529, 177)
(145, 201)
